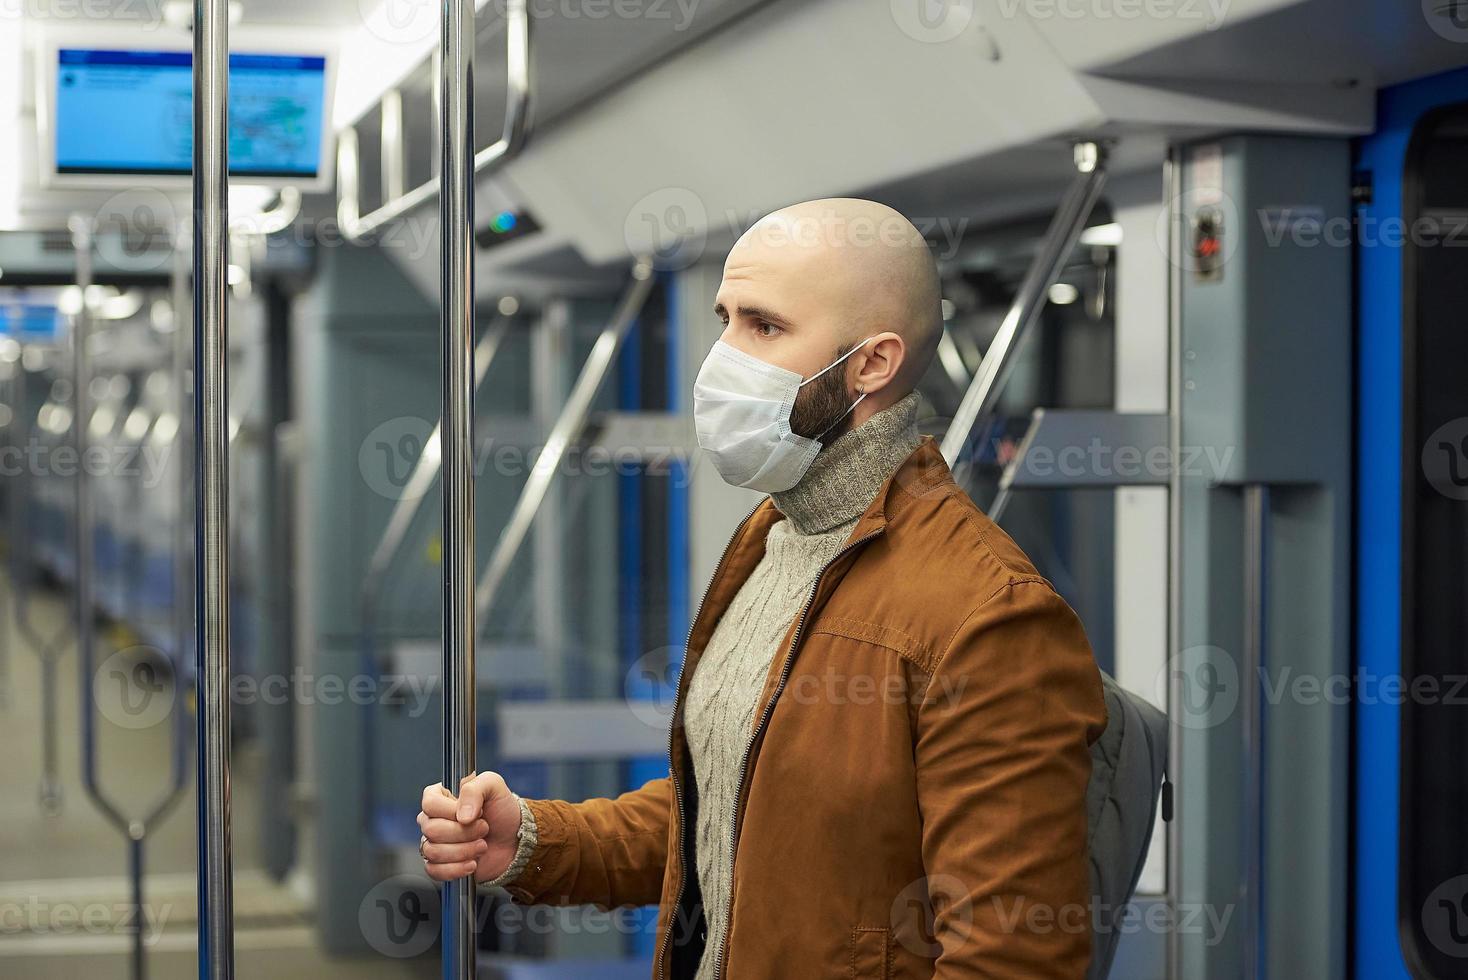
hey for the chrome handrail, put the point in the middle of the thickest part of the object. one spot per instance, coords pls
(518, 72)
(424, 472)
(135, 829)
(1256, 507)
(47, 650)
(211, 484)
(404, 513)
(565, 430)
(999, 360)
(456, 435)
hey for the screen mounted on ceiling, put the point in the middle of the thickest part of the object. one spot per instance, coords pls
(131, 112)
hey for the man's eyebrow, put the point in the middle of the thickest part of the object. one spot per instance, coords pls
(760, 313)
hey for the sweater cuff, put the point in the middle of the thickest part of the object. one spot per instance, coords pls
(542, 878)
(525, 840)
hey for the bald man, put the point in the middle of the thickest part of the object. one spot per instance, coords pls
(880, 740)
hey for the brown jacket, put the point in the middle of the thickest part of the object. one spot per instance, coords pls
(913, 801)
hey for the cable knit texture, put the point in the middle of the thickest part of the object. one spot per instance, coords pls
(724, 692)
(525, 841)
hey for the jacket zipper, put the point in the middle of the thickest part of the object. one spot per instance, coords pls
(672, 727)
(758, 730)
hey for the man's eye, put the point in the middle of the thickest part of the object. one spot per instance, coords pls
(766, 329)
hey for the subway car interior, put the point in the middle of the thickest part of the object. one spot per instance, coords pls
(347, 355)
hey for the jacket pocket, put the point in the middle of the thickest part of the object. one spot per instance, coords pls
(870, 957)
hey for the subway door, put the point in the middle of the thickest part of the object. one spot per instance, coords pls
(1411, 808)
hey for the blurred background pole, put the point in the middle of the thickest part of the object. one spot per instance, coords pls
(456, 203)
(211, 487)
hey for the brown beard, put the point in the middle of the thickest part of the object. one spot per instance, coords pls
(822, 405)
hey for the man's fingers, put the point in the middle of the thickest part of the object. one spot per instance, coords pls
(450, 872)
(438, 803)
(453, 853)
(473, 793)
(442, 831)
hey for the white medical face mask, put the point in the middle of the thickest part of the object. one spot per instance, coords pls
(741, 411)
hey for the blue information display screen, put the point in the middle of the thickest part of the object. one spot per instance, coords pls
(131, 112)
(29, 321)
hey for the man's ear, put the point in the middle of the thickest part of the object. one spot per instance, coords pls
(878, 362)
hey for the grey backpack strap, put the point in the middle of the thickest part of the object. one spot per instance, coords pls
(1128, 770)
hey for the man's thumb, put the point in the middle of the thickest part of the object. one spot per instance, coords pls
(471, 800)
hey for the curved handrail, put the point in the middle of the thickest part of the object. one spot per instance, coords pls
(136, 829)
(999, 360)
(567, 427)
(404, 512)
(425, 471)
(48, 650)
(357, 226)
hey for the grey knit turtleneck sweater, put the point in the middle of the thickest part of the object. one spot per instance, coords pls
(724, 692)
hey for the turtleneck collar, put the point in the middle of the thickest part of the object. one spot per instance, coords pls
(846, 475)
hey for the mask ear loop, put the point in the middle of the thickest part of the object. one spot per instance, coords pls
(859, 391)
(837, 361)
(843, 416)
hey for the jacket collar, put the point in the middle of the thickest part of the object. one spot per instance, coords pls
(923, 473)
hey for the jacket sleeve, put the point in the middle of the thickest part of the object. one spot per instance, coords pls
(601, 852)
(1003, 759)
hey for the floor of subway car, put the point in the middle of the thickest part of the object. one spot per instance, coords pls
(64, 891)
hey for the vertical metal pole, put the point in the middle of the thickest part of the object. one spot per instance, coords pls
(50, 781)
(211, 482)
(82, 518)
(1173, 184)
(183, 323)
(47, 650)
(1256, 528)
(7, 588)
(456, 203)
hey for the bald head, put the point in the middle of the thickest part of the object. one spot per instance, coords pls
(818, 278)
